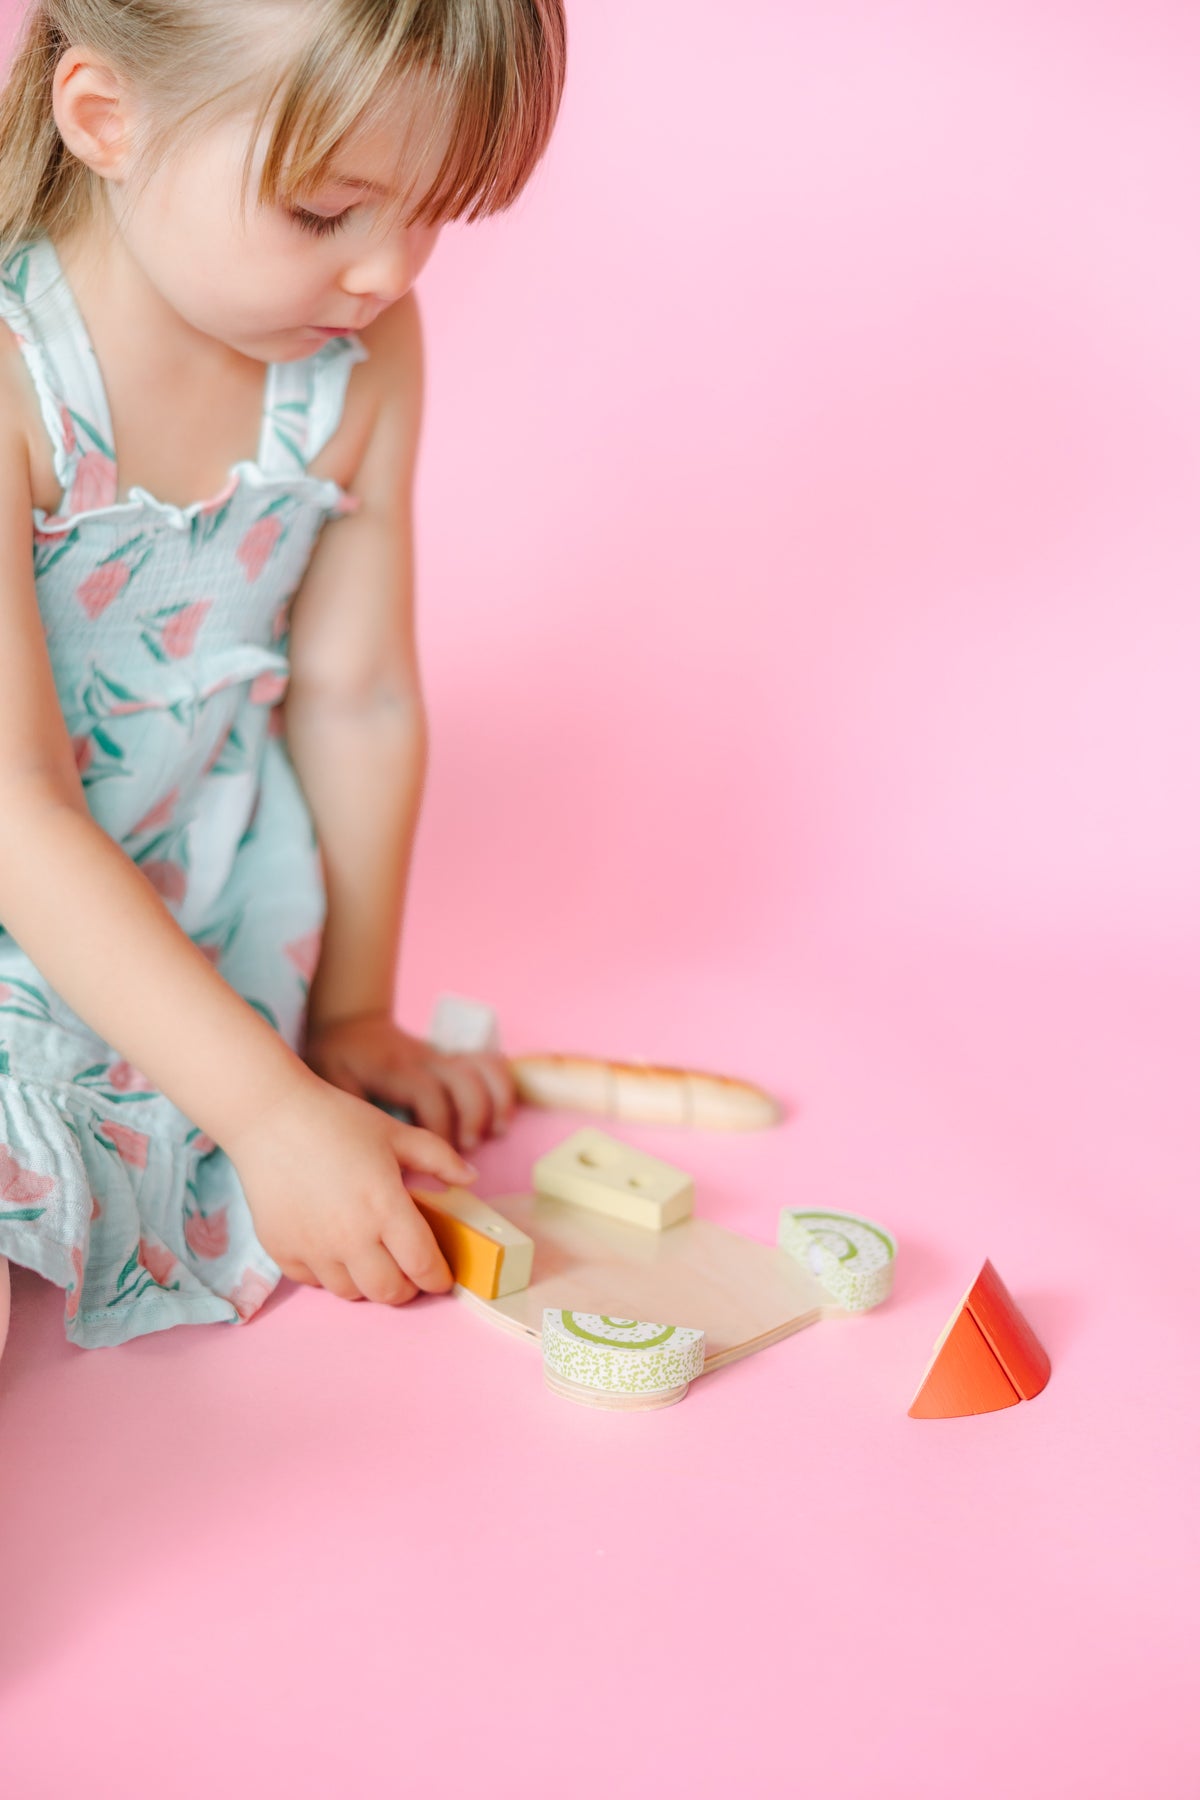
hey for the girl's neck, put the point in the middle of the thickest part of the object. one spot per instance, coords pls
(123, 309)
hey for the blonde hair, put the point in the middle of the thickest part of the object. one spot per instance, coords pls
(492, 70)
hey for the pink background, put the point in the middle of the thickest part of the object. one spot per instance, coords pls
(808, 563)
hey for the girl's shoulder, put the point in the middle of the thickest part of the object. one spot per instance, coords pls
(384, 393)
(21, 413)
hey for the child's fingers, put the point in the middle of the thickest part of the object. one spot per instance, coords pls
(298, 1271)
(336, 1278)
(432, 1155)
(407, 1240)
(377, 1276)
(471, 1096)
(495, 1071)
(424, 1093)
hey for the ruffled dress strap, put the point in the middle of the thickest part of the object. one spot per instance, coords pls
(39, 308)
(303, 405)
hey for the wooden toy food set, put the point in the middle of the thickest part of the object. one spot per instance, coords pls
(632, 1298)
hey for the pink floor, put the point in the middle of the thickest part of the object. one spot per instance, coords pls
(809, 563)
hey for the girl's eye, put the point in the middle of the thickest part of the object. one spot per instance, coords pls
(320, 224)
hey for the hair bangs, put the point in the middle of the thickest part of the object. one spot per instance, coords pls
(474, 90)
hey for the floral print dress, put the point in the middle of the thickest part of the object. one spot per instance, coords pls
(167, 628)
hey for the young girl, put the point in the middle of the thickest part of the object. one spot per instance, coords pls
(212, 213)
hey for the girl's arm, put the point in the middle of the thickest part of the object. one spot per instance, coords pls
(75, 902)
(354, 712)
(356, 732)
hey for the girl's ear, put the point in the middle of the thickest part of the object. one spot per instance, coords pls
(94, 113)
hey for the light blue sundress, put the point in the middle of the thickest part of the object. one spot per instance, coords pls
(167, 628)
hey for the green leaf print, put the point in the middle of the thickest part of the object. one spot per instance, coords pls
(3, 1060)
(102, 696)
(16, 274)
(95, 1078)
(233, 754)
(260, 1007)
(24, 1212)
(122, 551)
(43, 561)
(287, 429)
(129, 1268)
(115, 688)
(203, 526)
(109, 745)
(89, 430)
(28, 1003)
(134, 1293)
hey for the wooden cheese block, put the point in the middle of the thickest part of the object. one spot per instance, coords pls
(592, 1170)
(486, 1252)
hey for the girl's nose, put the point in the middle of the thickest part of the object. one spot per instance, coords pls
(383, 273)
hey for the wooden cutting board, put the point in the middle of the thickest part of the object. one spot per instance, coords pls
(743, 1295)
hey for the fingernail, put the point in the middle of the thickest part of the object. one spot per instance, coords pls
(469, 1140)
(470, 1168)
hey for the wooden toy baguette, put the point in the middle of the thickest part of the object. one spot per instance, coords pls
(655, 1095)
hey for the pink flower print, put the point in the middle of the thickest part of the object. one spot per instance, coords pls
(68, 429)
(95, 1212)
(131, 1145)
(95, 482)
(258, 543)
(179, 632)
(250, 1293)
(203, 1145)
(157, 1259)
(275, 723)
(208, 1237)
(282, 618)
(5, 993)
(125, 1078)
(101, 587)
(211, 951)
(303, 952)
(267, 688)
(166, 878)
(75, 1291)
(82, 746)
(159, 814)
(18, 1185)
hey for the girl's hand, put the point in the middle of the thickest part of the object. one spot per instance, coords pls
(322, 1177)
(463, 1098)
